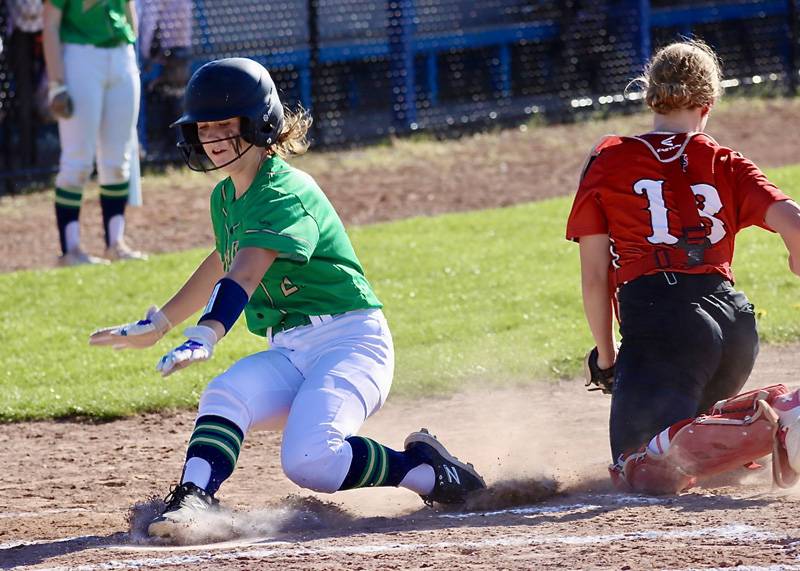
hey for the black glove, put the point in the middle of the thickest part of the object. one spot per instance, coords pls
(602, 379)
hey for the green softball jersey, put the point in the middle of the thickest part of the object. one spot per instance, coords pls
(316, 272)
(101, 23)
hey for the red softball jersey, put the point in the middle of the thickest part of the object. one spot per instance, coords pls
(625, 192)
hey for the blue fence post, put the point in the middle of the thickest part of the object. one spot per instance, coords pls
(631, 23)
(644, 43)
(400, 33)
(141, 118)
(304, 80)
(432, 76)
(502, 71)
(307, 74)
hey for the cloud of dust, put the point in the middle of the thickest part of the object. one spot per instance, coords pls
(294, 514)
(531, 442)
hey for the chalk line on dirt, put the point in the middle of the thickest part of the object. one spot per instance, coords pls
(740, 532)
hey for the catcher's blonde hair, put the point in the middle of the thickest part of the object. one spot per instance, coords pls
(293, 139)
(682, 75)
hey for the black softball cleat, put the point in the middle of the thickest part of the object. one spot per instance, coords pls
(186, 504)
(455, 480)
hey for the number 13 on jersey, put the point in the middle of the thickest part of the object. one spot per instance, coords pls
(708, 204)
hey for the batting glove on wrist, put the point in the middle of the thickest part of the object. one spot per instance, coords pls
(138, 335)
(198, 347)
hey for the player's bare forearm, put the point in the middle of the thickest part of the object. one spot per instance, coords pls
(249, 266)
(595, 260)
(52, 44)
(194, 293)
(784, 218)
(248, 269)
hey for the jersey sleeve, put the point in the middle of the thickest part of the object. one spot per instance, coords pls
(58, 3)
(753, 190)
(587, 216)
(216, 217)
(281, 223)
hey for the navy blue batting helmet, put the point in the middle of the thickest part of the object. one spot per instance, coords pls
(226, 88)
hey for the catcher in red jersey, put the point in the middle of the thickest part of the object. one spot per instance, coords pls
(656, 216)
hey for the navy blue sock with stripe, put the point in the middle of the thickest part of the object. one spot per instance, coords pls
(68, 209)
(376, 465)
(113, 200)
(218, 441)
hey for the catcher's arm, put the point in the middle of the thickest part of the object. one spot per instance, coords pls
(595, 257)
(597, 379)
(784, 218)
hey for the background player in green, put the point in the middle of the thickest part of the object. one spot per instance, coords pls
(283, 257)
(94, 93)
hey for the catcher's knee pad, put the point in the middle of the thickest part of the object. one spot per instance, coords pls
(736, 432)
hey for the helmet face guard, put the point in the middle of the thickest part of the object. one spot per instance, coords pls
(226, 88)
(195, 156)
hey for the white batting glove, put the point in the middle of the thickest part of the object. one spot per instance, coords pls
(198, 347)
(138, 335)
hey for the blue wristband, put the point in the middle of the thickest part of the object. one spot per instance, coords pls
(226, 303)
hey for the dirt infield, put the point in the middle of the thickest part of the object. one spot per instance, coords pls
(406, 178)
(67, 488)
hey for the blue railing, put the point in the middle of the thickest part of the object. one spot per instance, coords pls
(402, 45)
(518, 56)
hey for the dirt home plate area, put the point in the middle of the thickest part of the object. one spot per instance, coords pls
(75, 495)
(68, 489)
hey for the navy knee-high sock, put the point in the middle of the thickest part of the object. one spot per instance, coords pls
(376, 465)
(68, 209)
(113, 200)
(218, 441)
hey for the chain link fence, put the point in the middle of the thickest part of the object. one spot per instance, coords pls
(368, 69)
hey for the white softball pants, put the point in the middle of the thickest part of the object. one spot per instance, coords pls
(319, 383)
(104, 86)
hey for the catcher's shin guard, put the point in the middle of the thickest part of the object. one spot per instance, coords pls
(734, 433)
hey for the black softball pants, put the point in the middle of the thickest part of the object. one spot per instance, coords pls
(688, 341)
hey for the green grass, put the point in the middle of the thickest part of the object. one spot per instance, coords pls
(490, 297)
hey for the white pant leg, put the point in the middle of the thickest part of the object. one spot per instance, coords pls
(120, 111)
(348, 365)
(256, 393)
(84, 76)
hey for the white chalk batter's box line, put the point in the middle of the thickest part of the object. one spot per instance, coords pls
(738, 532)
(532, 511)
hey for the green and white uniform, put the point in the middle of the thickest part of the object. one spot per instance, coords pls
(317, 271)
(102, 79)
(100, 23)
(331, 358)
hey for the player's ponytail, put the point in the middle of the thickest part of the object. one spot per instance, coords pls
(293, 137)
(682, 75)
